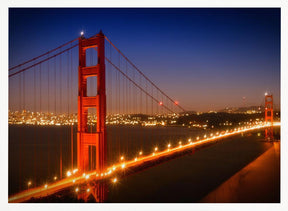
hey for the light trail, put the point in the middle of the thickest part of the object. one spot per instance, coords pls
(75, 178)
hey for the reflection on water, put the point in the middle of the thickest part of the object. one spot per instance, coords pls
(34, 151)
(34, 155)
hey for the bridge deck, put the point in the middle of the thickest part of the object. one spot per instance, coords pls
(118, 168)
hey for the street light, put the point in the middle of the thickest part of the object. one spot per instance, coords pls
(28, 184)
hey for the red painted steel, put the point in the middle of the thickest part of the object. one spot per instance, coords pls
(97, 139)
(269, 116)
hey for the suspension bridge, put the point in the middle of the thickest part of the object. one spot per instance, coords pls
(94, 147)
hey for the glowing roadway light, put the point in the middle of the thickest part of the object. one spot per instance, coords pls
(122, 158)
(38, 190)
(156, 148)
(88, 190)
(197, 138)
(266, 93)
(45, 186)
(140, 153)
(76, 190)
(83, 174)
(68, 174)
(29, 183)
(114, 180)
(169, 145)
(123, 166)
(75, 170)
(153, 154)
(73, 180)
(114, 168)
(55, 178)
(189, 140)
(87, 176)
(135, 159)
(101, 174)
(205, 136)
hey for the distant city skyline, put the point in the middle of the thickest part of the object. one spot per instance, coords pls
(206, 59)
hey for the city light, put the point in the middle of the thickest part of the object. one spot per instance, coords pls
(88, 190)
(156, 148)
(82, 33)
(122, 158)
(77, 189)
(55, 178)
(140, 153)
(45, 186)
(68, 174)
(123, 166)
(114, 180)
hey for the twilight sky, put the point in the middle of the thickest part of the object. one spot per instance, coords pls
(207, 59)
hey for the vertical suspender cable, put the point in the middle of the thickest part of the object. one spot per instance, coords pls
(49, 140)
(55, 98)
(60, 70)
(34, 116)
(72, 123)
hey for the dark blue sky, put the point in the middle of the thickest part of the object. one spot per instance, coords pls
(207, 59)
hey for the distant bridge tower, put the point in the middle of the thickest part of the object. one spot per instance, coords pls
(269, 116)
(98, 138)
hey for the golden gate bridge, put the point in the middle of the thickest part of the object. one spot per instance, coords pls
(111, 91)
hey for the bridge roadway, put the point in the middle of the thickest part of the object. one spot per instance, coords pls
(75, 178)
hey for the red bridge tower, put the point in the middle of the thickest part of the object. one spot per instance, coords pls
(269, 116)
(98, 138)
